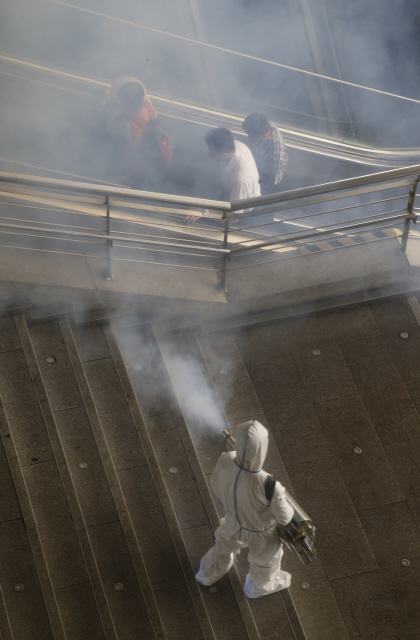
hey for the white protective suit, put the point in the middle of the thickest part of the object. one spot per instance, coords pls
(249, 517)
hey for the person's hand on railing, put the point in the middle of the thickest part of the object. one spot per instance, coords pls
(193, 218)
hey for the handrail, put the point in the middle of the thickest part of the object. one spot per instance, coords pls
(111, 237)
(306, 196)
(324, 232)
(258, 201)
(359, 181)
(85, 187)
(294, 138)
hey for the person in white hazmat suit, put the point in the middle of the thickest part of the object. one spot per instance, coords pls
(250, 520)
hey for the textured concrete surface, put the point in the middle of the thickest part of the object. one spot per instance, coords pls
(161, 560)
(325, 268)
(322, 385)
(114, 413)
(86, 624)
(225, 618)
(174, 292)
(22, 409)
(127, 605)
(26, 609)
(328, 383)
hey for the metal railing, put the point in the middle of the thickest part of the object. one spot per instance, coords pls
(300, 130)
(239, 234)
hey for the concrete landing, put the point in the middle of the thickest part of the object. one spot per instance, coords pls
(170, 292)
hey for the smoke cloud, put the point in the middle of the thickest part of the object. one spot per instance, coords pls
(373, 44)
(197, 398)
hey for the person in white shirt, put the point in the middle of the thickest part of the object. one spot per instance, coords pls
(238, 171)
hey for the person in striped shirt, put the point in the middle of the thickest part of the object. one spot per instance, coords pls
(268, 149)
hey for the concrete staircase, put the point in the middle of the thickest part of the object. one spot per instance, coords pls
(191, 406)
(109, 435)
(105, 507)
(90, 547)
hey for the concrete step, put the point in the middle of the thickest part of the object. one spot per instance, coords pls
(145, 509)
(186, 487)
(184, 358)
(90, 547)
(171, 381)
(36, 564)
(89, 492)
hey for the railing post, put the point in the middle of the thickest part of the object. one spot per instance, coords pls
(410, 215)
(225, 258)
(108, 269)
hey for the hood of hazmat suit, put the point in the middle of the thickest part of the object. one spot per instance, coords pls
(238, 481)
(251, 445)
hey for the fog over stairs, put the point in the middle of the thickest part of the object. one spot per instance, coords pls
(90, 546)
(109, 436)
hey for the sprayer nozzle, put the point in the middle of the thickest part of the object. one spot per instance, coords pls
(229, 439)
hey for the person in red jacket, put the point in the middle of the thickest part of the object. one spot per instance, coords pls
(142, 148)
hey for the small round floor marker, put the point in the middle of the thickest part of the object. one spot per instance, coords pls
(213, 589)
(223, 372)
(50, 360)
(405, 562)
(304, 586)
(404, 335)
(18, 587)
(173, 470)
(137, 367)
(82, 465)
(316, 352)
(118, 586)
(357, 451)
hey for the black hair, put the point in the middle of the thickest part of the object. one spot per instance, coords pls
(256, 124)
(221, 140)
(131, 95)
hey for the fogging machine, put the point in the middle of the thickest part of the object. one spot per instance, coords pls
(299, 535)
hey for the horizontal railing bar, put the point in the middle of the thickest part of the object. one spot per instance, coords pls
(165, 264)
(285, 235)
(15, 191)
(169, 226)
(89, 255)
(55, 224)
(100, 244)
(185, 230)
(289, 257)
(62, 228)
(10, 192)
(318, 233)
(146, 235)
(166, 225)
(55, 210)
(328, 187)
(294, 204)
(277, 198)
(131, 194)
(56, 237)
(329, 235)
(99, 203)
(179, 255)
(322, 213)
(112, 237)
